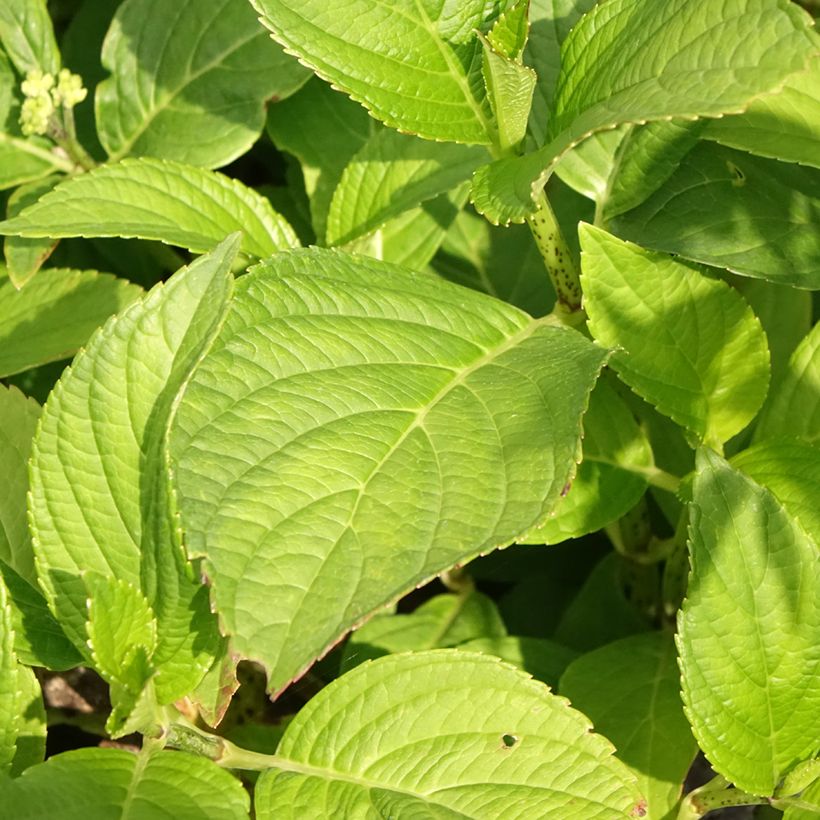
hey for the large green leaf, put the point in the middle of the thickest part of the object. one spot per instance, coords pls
(52, 316)
(99, 502)
(784, 126)
(794, 409)
(446, 734)
(415, 65)
(157, 199)
(323, 129)
(393, 173)
(189, 82)
(355, 430)
(28, 37)
(630, 690)
(688, 344)
(755, 216)
(749, 630)
(115, 784)
(640, 60)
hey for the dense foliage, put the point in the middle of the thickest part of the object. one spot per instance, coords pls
(472, 407)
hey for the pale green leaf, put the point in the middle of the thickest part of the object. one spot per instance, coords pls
(630, 690)
(443, 621)
(9, 717)
(119, 785)
(55, 314)
(795, 408)
(701, 59)
(588, 166)
(28, 37)
(30, 743)
(24, 257)
(323, 129)
(351, 416)
(449, 734)
(393, 173)
(415, 65)
(157, 199)
(18, 421)
(755, 216)
(687, 343)
(509, 33)
(808, 807)
(749, 630)
(612, 476)
(189, 82)
(784, 126)
(544, 660)
(99, 502)
(26, 160)
(790, 470)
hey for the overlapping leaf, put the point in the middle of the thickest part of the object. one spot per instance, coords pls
(156, 199)
(639, 60)
(415, 66)
(357, 429)
(99, 502)
(689, 344)
(443, 734)
(749, 630)
(27, 36)
(189, 81)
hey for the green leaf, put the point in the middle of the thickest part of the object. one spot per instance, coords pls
(323, 129)
(27, 36)
(790, 470)
(544, 660)
(783, 126)
(54, 315)
(180, 72)
(391, 174)
(99, 502)
(24, 257)
(611, 478)
(702, 59)
(415, 66)
(443, 621)
(509, 33)
(588, 166)
(639, 710)
(116, 784)
(30, 743)
(449, 734)
(749, 630)
(156, 199)
(389, 414)
(25, 160)
(754, 216)
(688, 344)
(809, 806)
(510, 87)
(795, 409)
(18, 421)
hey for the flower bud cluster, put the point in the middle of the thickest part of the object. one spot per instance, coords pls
(43, 95)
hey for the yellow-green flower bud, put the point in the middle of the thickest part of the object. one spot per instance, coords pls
(35, 114)
(69, 91)
(37, 83)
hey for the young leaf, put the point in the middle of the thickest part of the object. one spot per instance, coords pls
(52, 316)
(390, 415)
(795, 409)
(156, 199)
(391, 174)
(99, 501)
(449, 734)
(446, 620)
(415, 67)
(116, 784)
(702, 59)
(639, 710)
(27, 36)
(749, 630)
(588, 167)
(688, 344)
(808, 806)
(611, 477)
(509, 33)
(755, 216)
(189, 82)
(323, 129)
(783, 126)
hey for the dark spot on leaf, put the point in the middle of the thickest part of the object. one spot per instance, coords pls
(509, 741)
(639, 810)
(739, 177)
(565, 489)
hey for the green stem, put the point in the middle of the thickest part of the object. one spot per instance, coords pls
(44, 154)
(556, 255)
(716, 795)
(63, 131)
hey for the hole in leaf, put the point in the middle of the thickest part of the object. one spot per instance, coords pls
(509, 741)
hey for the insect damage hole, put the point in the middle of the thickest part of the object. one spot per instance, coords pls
(509, 741)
